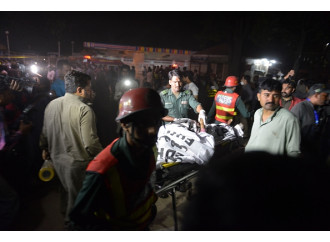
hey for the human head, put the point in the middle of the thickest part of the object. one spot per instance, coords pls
(269, 94)
(231, 81)
(257, 191)
(188, 76)
(174, 81)
(125, 71)
(318, 94)
(245, 80)
(78, 83)
(42, 85)
(140, 116)
(63, 67)
(288, 88)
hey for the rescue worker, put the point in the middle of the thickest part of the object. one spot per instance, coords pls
(177, 101)
(117, 193)
(226, 103)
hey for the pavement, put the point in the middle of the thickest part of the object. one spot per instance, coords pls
(42, 210)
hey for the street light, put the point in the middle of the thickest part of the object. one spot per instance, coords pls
(7, 34)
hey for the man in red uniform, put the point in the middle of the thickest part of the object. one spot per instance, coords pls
(117, 193)
(226, 103)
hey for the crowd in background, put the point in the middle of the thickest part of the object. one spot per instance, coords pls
(33, 92)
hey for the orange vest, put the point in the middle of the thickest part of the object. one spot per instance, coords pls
(225, 106)
(126, 211)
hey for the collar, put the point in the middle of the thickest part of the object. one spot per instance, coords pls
(171, 93)
(228, 90)
(75, 97)
(271, 117)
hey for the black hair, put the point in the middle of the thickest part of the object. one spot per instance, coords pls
(189, 74)
(290, 82)
(247, 78)
(173, 73)
(125, 67)
(270, 85)
(74, 79)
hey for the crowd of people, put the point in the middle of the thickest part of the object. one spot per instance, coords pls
(74, 113)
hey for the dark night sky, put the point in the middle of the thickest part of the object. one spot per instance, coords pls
(268, 33)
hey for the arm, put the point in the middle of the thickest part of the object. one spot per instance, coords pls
(199, 108)
(168, 119)
(293, 138)
(88, 132)
(211, 114)
(241, 108)
(88, 199)
(290, 73)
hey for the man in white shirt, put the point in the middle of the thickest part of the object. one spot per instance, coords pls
(188, 76)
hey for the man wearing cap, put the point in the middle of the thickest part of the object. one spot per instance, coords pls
(117, 192)
(226, 103)
(288, 100)
(311, 118)
(177, 102)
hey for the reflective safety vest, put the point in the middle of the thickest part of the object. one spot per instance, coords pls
(131, 199)
(225, 106)
(211, 92)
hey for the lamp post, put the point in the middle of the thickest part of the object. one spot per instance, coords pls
(72, 43)
(7, 34)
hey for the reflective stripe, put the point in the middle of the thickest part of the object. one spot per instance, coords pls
(226, 109)
(224, 117)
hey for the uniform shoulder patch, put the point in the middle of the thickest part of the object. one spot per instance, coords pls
(188, 92)
(164, 92)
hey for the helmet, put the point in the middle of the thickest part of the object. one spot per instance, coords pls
(231, 81)
(140, 99)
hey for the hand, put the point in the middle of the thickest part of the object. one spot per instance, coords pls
(45, 155)
(290, 73)
(202, 116)
(15, 86)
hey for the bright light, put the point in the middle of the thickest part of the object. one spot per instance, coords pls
(273, 61)
(127, 82)
(87, 57)
(34, 69)
(257, 62)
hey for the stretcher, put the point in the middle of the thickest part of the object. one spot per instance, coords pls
(172, 177)
(175, 178)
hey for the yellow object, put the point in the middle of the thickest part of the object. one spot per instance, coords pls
(47, 172)
(166, 165)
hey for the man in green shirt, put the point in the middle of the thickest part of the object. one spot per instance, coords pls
(275, 129)
(177, 102)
